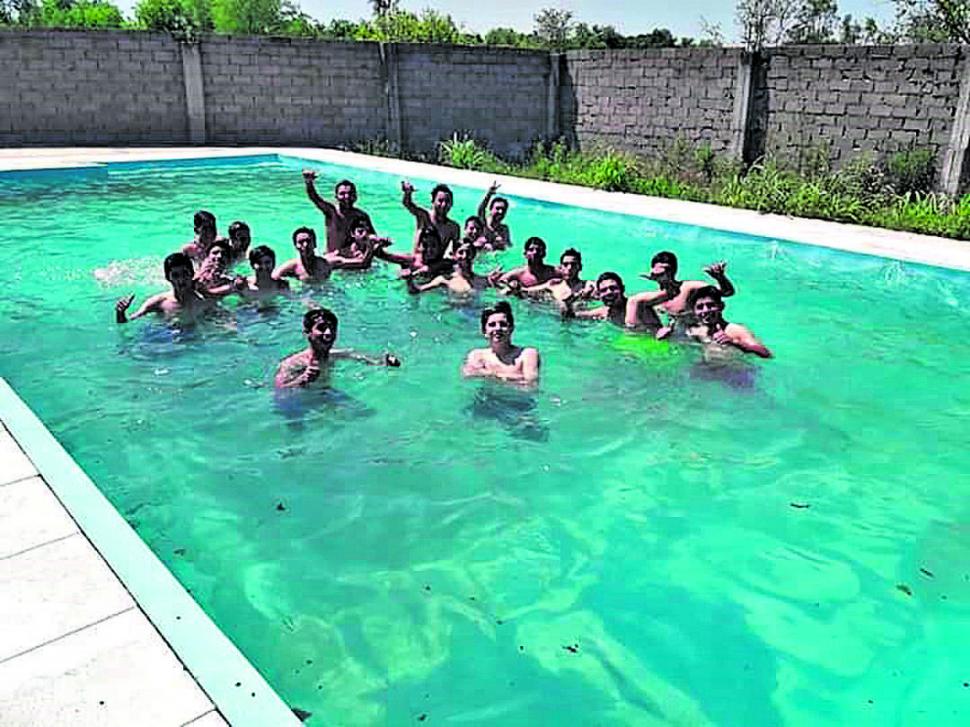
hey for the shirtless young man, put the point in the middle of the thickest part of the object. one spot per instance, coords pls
(474, 234)
(308, 267)
(710, 328)
(634, 313)
(240, 238)
(502, 359)
(493, 210)
(262, 284)
(441, 201)
(663, 270)
(567, 285)
(359, 249)
(212, 280)
(183, 301)
(534, 272)
(303, 368)
(339, 216)
(463, 281)
(428, 259)
(204, 225)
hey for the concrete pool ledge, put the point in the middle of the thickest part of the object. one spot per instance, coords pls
(94, 629)
(908, 247)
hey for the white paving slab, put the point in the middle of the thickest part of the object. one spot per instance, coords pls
(30, 516)
(14, 464)
(118, 672)
(50, 591)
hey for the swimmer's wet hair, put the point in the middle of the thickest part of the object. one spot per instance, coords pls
(476, 219)
(496, 200)
(203, 218)
(344, 183)
(572, 252)
(307, 230)
(609, 275)
(222, 245)
(538, 241)
(441, 188)
(665, 257)
(359, 223)
(501, 307)
(236, 227)
(177, 260)
(261, 251)
(311, 317)
(707, 291)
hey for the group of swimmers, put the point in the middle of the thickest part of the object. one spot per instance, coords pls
(442, 256)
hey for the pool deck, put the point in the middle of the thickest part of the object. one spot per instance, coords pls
(905, 246)
(75, 648)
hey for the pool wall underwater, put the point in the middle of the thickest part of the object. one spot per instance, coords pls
(204, 649)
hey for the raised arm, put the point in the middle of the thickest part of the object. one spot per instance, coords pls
(716, 271)
(483, 206)
(149, 306)
(311, 191)
(420, 214)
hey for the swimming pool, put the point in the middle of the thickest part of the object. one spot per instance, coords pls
(628, 545)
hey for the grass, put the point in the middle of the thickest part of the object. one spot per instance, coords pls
(895, 193)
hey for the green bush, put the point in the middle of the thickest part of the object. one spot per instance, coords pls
(463, 152)
(81, 14)
(912, 171)
(180, 17)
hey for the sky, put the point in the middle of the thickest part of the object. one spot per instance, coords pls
(682, 17)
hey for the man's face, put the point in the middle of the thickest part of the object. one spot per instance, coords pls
(346, 195)
(305, 244)
(473, 230)
(181, 277)
(241, 239)
(498, 328)
(708, 310)
(431, 248)
(610, 291)
(570, 267)
(441, 203)
(535, 252)
(661, 270)
(322, 333)
(263, 263)
(217, 258)
(464, 255)
(498, 211)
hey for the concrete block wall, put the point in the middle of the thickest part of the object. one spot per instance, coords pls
(641, 100)
(849, 100)
(291, 91)
(495, 94)
(59, 88)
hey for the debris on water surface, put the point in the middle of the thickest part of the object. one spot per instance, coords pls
(422, 717)
(572, 648)
(302, 714)
(927, 573)
(498, 620)
(904, 588)
(280, 507)
(800, 505)
(179, 551)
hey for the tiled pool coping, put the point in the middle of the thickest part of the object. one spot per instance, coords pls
(239, 692)
(923, 249)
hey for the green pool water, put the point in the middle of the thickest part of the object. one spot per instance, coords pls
(619, 547)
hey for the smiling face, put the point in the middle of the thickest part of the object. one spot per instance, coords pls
(708, 310)
(217, 258)
(473, 230)
(498, 328)
(570, 267)
(346, 195)
(465, 256)
(322, 333)
(610, 291)
(441, 203)
(305, 244)
(499, 209)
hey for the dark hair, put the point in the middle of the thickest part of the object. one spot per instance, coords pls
(476, 219)
(572, 252)
(203, 218)
(261, 251)
(344, 183)
(308, 230)
(501, 307)
(538, 241)
(665, 257)
(318, 314)
(609, 275)
(441, 188)
(177, 260)
(707, 291)
(358, 222)
(237, 226)
(497, 200)
(222, 245)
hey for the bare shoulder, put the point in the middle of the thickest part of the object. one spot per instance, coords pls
(736, 330)
(530, 353)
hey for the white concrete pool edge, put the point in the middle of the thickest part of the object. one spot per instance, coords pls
(227, 678)
(904, 246)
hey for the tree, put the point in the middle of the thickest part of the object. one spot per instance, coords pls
(80, 14)
(248, 17)
(384, 7)
(938, 21)
(764, 22)
(815, 21)
(181, 17)
(553, 26)
(509, 37)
